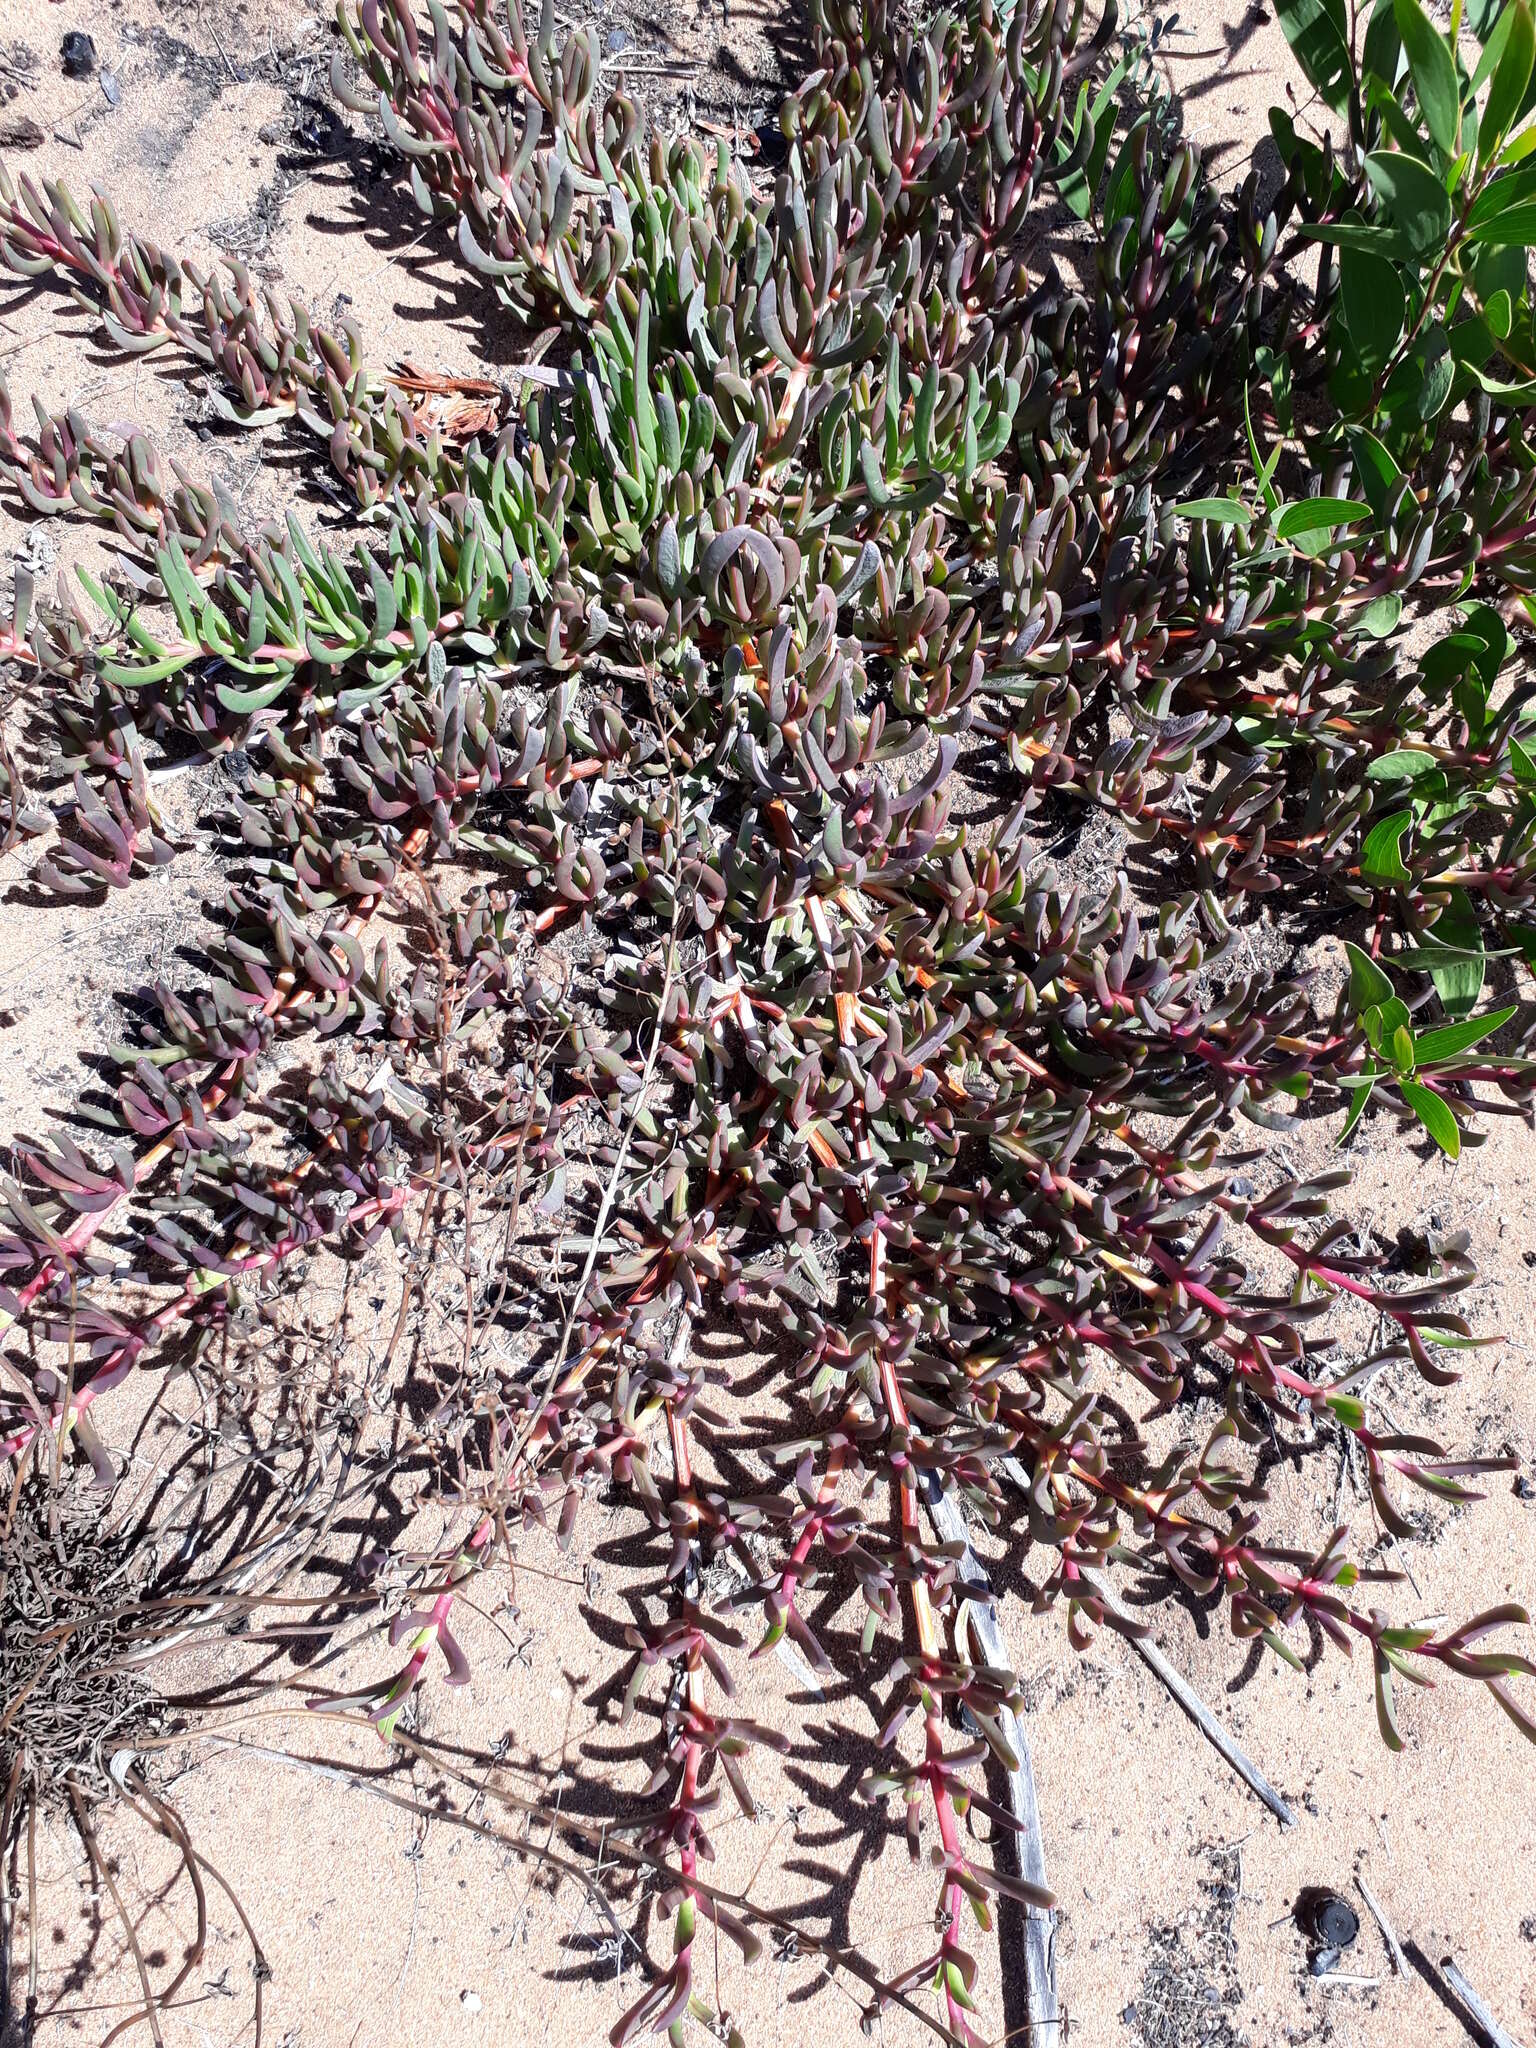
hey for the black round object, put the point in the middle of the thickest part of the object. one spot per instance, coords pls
(1330, 1921)
(78, 53)
(1337, 1921)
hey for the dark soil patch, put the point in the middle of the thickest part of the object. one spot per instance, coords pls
(1191, 1982)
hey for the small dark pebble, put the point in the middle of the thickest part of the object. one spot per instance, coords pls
(21, 132)
(78, 54)
(1326, 1960)
(617, 40)
(1129, 2017)
(1525, 1488)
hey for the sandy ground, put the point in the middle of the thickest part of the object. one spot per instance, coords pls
(1176, 1887)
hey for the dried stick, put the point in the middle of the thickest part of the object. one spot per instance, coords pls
(1039, 1925)
(1388, 1931)
(1475, 2005)
(1195, 1707)
(1182, 1691)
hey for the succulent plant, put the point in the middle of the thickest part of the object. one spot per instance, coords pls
(834, 563)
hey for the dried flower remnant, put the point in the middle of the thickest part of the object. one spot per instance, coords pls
(760, 647)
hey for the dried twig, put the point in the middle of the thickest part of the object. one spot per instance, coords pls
(1181, 1689)
(1039, 1926)
(1453, 1976)
(1388, 1931)
(1197, 1710)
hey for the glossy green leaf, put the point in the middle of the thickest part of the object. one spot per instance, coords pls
(1439, 375)
(1451, 1039)
(1380, 617)
(1368, 985)
(1374, 305)
(1219, 511)
(1376, 237)
(1516, 43)
(1381, 858)
(1404, 764)
(1416, 201)
(1318, 32)
(1377, 469)
(1434, 1113)
(1318, 515)
(1514, 228)
(1359, 1096)
(1456, 956)
(1434, 73)
(1382, 50)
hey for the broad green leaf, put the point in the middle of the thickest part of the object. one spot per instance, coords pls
(1378, 471)
(1374, 305)
(1439, 376)
(1417, 203)
(1381, 858)
(1368, 985)
(1434, 1113)
(1379, 239)
(1404, 764)
(1451, 1039)
(1499, 274)
(1318, 515)
(1457, 961)
(1386, 102)
(1495, 642)
(1497, 388)
(1514, 228)
(1516, 44)
(1219, 511)
(1512, 187)
(1434, 73)
(1382, 52)
(1380, 617)
(1318, 32)
(1392, 1018)
(1499, 312)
